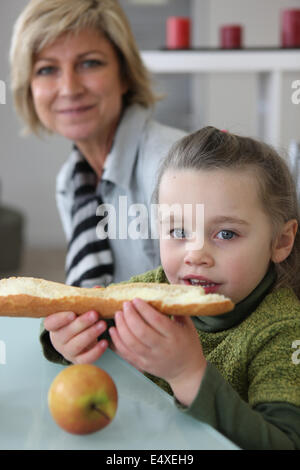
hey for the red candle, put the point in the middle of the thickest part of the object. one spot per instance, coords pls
(231, 36)
(178, 32)
(290, 28)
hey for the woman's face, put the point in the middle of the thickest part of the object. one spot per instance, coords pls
(76, 86)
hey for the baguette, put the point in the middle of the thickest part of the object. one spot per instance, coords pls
(37, 298)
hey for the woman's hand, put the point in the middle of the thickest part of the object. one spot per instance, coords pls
(165, 347)
(75, 337)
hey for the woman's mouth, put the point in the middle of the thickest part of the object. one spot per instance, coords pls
(209, 286)
(75, 110)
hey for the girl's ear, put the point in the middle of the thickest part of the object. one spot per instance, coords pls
(284, 241)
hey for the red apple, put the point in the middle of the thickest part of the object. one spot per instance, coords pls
(83, 399)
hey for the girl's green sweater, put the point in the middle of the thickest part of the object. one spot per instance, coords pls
(251, 389)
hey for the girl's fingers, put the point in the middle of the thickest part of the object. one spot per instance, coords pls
(145, 333)
(56, 321)
(157, 320)
(83, 340)
(118, 345)
(80, 324)
(92, 354)
(121, 349)
(129, 339)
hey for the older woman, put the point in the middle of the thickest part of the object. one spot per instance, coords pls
(76, 71)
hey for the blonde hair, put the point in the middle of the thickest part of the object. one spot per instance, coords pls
(43, 21)
(212, 149)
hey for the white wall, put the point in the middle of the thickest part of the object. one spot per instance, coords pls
(261, 19)
(231, 101)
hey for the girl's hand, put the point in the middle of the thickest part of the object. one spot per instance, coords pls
(75, 337)
(165, 347)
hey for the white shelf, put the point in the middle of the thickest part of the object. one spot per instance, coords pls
(268, 64)
(222, 61)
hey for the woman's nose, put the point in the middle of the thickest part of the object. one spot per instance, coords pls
(198, 256)
(70, 84)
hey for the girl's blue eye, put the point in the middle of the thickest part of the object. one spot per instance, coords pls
(226, 235)
(177, 233)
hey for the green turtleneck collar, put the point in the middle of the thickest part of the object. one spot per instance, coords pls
(241, 310)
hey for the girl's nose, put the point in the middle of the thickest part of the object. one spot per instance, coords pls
(198, 257)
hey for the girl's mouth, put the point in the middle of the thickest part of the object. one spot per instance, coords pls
(209, 286)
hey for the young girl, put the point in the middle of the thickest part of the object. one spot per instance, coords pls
(243, 376)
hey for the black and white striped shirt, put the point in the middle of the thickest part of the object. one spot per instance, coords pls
(89, 259)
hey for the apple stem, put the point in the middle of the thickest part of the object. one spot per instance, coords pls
(94, 407)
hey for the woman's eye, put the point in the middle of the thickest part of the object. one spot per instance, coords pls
(91, 63)
(177, 233)
(226, 235)
(46, 70)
